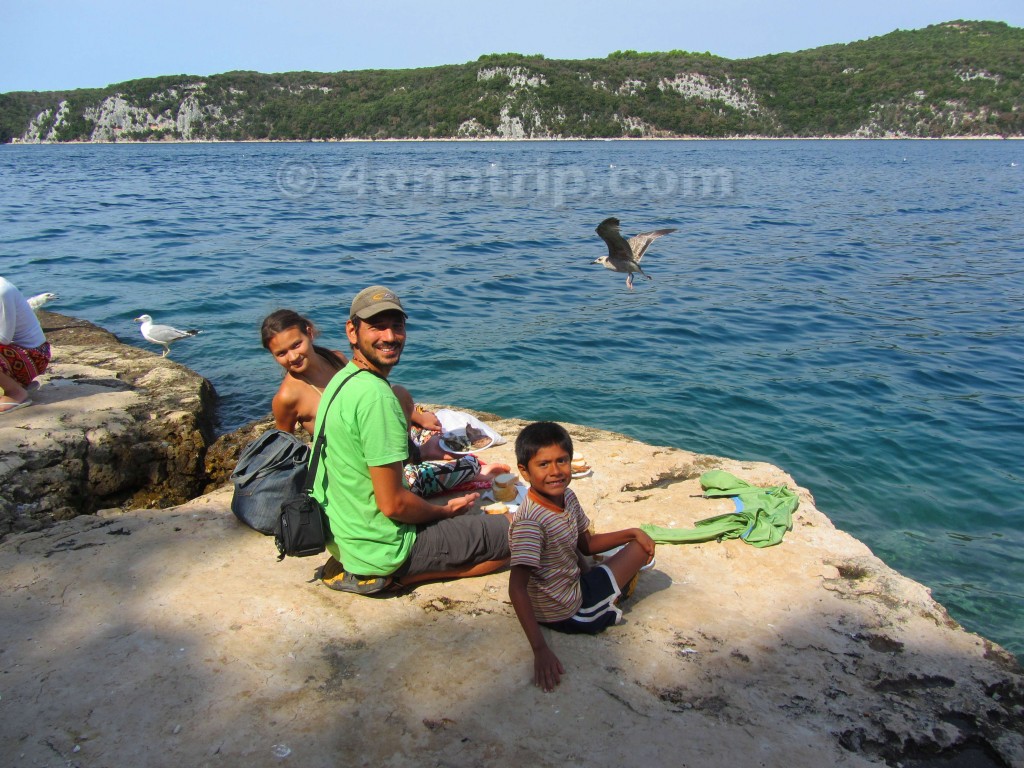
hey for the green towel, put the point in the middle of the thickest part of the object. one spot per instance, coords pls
(762, 516)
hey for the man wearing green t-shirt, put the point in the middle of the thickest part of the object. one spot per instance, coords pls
(382, 534)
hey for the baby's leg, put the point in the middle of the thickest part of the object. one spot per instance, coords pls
(432, 478)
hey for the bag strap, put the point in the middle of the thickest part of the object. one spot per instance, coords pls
(318, 444)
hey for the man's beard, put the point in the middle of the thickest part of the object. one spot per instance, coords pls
(369, 353)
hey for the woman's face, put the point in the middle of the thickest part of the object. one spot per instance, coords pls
(292, 348)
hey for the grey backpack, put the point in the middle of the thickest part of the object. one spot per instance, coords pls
(270, 471)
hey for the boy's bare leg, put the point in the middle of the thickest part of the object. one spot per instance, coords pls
(626, 563)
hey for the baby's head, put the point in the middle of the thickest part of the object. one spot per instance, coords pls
(554, 442)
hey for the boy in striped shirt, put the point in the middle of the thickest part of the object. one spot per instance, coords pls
(546, 585)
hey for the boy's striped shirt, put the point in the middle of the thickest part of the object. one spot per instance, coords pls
(543, 538)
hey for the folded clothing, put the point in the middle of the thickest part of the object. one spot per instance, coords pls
(762, 516)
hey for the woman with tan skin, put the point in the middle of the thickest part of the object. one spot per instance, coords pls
(288, 336)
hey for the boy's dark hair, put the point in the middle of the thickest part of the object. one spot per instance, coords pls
(539, 435)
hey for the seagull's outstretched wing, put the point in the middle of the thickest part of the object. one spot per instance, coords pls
(640, 243)
(618, 247)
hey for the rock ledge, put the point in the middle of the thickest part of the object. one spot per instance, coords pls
(169, 637)
(112, 425)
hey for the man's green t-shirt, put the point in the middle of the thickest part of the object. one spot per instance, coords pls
(365, 428)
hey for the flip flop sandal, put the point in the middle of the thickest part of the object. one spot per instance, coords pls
(8, 407)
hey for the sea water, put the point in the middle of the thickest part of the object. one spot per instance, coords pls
(851, 311)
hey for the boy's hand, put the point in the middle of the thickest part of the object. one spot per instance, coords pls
(547, 669)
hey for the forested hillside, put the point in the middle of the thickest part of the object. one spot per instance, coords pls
(954, 79)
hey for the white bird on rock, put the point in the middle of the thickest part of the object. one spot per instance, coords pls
(624, 255)
(41, 300)
(163, 335)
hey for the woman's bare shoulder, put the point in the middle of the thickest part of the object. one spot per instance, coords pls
(285, 404)
(290, 390)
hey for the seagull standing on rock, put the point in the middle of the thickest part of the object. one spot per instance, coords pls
(161, 334)
(624, 255)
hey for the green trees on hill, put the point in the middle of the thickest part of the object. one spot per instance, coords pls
(957, 78)
(973, 68)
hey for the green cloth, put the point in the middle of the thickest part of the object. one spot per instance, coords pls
(762, 516)
(365, 428)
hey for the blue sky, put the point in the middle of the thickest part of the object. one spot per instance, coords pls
(56, 45)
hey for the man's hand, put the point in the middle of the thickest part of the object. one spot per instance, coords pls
(397, 502)
(547, 669)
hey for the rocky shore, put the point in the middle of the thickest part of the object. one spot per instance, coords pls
(141, 624)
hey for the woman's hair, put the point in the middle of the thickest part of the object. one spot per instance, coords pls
(539, 435)
(282, 320)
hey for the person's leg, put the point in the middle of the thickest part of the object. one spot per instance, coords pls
(456, 548)
(626, 563)
(479, 569)
(598, 608)
(433, 478)
(430, 447)
(13, 391)
(18, 367)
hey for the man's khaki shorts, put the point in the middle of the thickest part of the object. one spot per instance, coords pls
(456, 542)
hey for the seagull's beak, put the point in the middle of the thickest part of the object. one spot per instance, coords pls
(137, 320)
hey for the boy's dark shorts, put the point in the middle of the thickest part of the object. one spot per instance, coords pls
(456, 542)
(598, 610)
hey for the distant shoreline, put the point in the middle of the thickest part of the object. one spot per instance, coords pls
(492, 140)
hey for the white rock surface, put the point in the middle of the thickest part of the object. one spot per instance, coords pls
(173, 638)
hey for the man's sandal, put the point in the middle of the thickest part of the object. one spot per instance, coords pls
(333, 575)
(360, 585)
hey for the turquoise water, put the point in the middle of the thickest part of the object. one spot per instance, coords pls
(849, 311)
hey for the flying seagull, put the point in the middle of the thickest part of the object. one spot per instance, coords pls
(163, 335)
(41, 300)
(624, 255)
